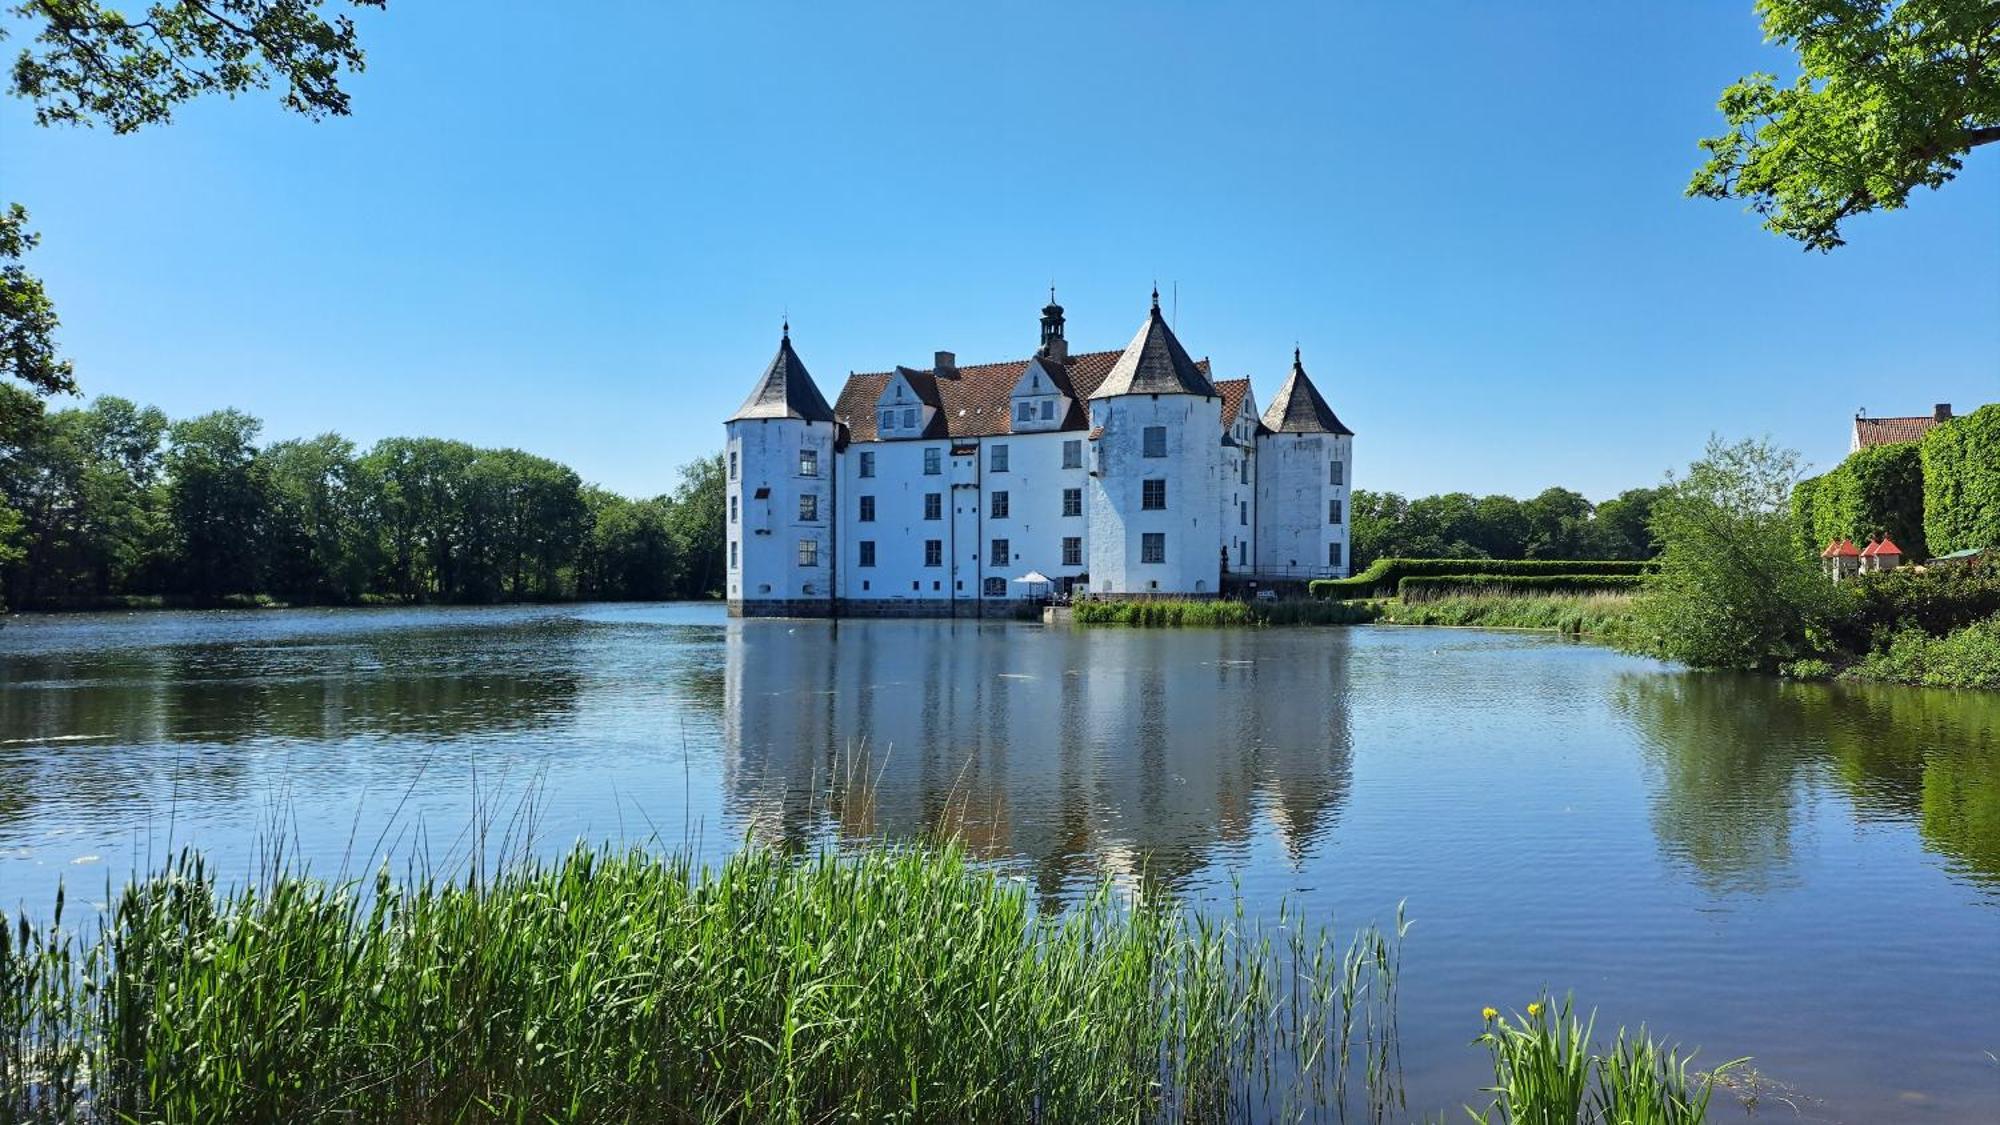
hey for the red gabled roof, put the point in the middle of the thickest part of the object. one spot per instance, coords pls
(1846, 549)
(972, 401)
(1888, 547)
(1869, 550)
(1830, 551)
(1871, 432)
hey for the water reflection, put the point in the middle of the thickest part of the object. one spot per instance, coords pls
(1070, 752)
(1739, 756)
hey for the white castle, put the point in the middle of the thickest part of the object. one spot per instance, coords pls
(963, 491)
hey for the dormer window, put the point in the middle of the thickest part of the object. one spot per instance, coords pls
(909, 417)
(1024, 411)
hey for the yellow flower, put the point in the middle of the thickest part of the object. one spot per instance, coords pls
(1488, 1014)
(1534, 1010)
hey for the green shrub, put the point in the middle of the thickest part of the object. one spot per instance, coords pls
(1965, 658)
(1418, 587)
(1809, 668)
(1961, 462)
(1874, 491)
(1936, 600)
(1384, 574)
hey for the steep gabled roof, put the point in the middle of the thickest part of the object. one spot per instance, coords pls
(1871, 432)
(974, 400)
(1298, 408)
(786, 391)
(1154, 363)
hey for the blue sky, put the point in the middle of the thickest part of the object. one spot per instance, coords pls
(577, 235)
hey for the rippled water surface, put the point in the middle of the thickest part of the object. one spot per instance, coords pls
(1806, 874)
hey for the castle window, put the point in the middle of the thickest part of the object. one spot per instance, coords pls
(933, 505)
(1242, 553)
(1000, 553)
(933, 552)
(1333, 511)
(808, 462)
(933, 462)
(1153, 547)
(867, 463)
(996, 587)
(888, 419)
(998, 509)
(732, 554)
(999, 459)
(1153, 495)
(909, 416)
(1048, 409)
(1335, 473)
(867, 552)
(1073, 454)
(1243, 513)
(1244, 466)
(732, 464)
(1024, 411)
(809, 507)
(867, 509)
(1072, 501)
(1155, 442)
(808, 552)
(732, 509)
(1072, 548)
(1333, 554)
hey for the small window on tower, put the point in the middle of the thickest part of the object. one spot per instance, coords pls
(1335, 473)
(1073, 454)
(1155, 442)
(808, 462)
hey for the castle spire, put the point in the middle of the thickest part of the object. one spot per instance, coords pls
(786, 390)
(1155, 363)
(1298, 407)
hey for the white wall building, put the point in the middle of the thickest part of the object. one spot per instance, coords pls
(940, 491)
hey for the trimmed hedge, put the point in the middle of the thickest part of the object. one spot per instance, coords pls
(1221, 612)
(1961, 465)
(1420, 586)
(1874, 491)
(1386, 574)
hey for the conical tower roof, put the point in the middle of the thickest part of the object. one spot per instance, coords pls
(786, 390)
(1297, 408)
(1154, 363)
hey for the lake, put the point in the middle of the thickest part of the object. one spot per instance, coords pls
(1809, 874)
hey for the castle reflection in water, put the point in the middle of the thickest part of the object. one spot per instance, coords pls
(1137, 753)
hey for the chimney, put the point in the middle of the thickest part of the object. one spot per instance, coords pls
(945, 363)
(1941, 412)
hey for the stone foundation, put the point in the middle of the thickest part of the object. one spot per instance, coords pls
(781, 607)
(1002, 609)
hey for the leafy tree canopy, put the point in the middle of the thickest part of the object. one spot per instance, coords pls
(1890, 97)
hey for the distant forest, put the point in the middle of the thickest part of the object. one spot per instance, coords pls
(112, 500)
(1556, 524)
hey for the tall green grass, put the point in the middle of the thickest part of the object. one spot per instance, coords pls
(1546, 1071)
(614, 986)
(1599, 616)
(1221, 612)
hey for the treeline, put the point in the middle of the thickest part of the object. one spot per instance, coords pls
(1556, 524)
(112, 500)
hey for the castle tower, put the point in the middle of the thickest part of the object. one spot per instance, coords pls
(1156, 464)
(782, 500)
(1304, 474)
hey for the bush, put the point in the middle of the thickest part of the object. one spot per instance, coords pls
(1809, 668)
(1936, 600)
(1966, 658)
(1418, 587)
(1961, 462)
(1173, 614)
(1385, 574)
(1874, 491)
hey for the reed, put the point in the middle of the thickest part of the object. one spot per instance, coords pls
(1223, 612)
(898, 984)
(1604, 616)
(1546, 1071)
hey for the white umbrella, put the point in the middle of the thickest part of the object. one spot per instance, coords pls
(1035, 576)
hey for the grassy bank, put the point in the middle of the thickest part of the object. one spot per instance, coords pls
(1170, 614)
(1605, 616)
(617, 986)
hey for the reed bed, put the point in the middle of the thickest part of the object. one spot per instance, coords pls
(1602, 616)
(1222, 612)
(900, 984)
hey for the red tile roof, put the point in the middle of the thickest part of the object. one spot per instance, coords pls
(1842, 547)
(1888, 547)
(1233, 391)
(1870, 432)
(972, 401)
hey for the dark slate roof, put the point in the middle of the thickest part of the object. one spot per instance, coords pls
(1155, 363)
(786, 391)
(1298, 407)
(975, 400)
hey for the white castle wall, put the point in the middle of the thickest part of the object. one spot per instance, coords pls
(764, 535)
(1293, 493)
(1192, 469)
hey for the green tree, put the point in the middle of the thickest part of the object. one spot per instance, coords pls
(696, 521)
(630, 551)
(84, 484)
(320, 545)
(27, 330)
(1558, 524)
(1733, 589)
(1890, 97)
(1621, 527)
(217, 494)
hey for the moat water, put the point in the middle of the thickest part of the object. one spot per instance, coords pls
(1807, 874)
